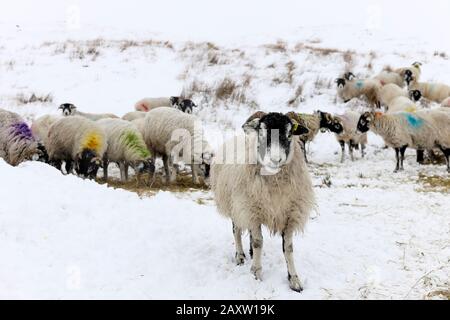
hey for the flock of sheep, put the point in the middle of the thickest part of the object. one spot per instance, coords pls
(271, 186)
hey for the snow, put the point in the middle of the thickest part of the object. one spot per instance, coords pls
(374, 234)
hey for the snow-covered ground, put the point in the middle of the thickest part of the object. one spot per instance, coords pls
(374, 234)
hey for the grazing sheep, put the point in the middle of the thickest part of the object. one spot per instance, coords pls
(126, 147)
(133, 115)
(436, 92)
(402, 104)
(77, 141)
(355, 88)
(399, 131)
(17, 142)
(41, 126)
(168, 129)
(69, 109)
(272, 187)
(148, 104)
(350, 135)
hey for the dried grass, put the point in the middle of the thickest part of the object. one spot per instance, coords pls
(33, 97)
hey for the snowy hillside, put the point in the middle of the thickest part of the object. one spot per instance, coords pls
(374, 234)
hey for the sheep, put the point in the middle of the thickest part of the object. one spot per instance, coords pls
(271, 187)
(186, 105)
(78, 141)
(126, 147)
(390, 91)
(166, 129)
(349, 134)
(133, 115)
(17, 142)
(355, 88)
(399, 131)
(69, 109)
(148, 104)
(41, 126)
(436, 92)
(386, 77)
(414, 69)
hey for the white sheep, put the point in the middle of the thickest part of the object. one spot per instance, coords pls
(400, 104)
(167, 130)
(350, 135)
(41, 126)
(390, 91)
(133, 115)
(405, 72)
(355, 88)
(148, 104)
(436, 92)
(126, 147)
(69, 109)
(400, 131)
(386, 77)
(77, 140)
(270, 185)
(17, 142)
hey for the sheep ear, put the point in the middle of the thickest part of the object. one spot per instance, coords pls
(251, 126)
(61, 107)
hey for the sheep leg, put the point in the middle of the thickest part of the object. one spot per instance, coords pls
(257, 250)
(402, 153)
(194, 169)
(122, 172)
(165, 159)
(419, 156)
(240, 256)
(397, 157)
(105, 169)
(250, 251)
(342, 143)
(69, 166)
(363, 148)
(288, 249)
(350, 150)
(446, 153)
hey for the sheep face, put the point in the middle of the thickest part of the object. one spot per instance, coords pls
(364, 121)
(42, 154)
(186, 105)
(174, 100)
(415, 95)
(349, 76)
(67, 109)
(341, 90)
(408, 77)
(274, 142)
(146, 166)
(328, 122)
(87, 164)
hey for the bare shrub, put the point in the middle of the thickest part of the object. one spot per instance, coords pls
(126, 44)
(93, 52)
(225, 89)
(442, 54)
(290, 67)
(297, 97)
(348, 57)
(33, 97)
(388, 68)
(10, 64)
(279, 46)
(77, 53)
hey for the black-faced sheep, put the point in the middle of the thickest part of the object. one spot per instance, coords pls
(148, 104)
(272, 187)
(68, 109)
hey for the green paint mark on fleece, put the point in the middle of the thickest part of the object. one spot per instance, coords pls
(359, 84)
(134, 142)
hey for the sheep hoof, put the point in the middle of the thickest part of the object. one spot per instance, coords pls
(295, 284)
(256, 272)
(240, 258)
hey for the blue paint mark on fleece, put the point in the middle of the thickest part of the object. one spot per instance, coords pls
(413, 120)
(22, 130)
(359, 84)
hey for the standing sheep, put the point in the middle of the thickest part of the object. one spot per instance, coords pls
(391, 91)
(167, 129)
(350, 135)
(436, 92)
(148, 104)
(271, 188)
(17, 142)
(414, 70)
(126, 147)
(355, 88)
(69, 109)
(386, 77)
(77, 140)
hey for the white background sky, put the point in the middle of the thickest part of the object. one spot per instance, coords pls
(237, 18)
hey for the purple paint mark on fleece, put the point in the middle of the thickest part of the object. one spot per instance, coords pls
(22, 130)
